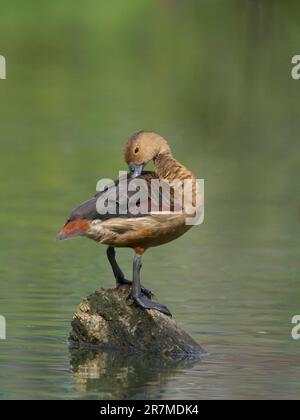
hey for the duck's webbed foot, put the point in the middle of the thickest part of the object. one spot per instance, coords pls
(146, 303)
(145, 291)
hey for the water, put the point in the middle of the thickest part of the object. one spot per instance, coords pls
(80, 81)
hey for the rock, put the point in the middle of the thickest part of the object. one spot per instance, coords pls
(107, 319)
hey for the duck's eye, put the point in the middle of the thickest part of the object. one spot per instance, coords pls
(136, 150)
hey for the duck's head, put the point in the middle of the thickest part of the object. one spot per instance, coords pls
(141, 148)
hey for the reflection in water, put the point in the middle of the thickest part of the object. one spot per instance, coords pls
(115, 375)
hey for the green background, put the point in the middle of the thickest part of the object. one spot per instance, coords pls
(213, 77)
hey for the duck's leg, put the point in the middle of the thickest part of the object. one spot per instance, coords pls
(136, 292)
(118, 273)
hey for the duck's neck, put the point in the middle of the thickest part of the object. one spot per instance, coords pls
(167, 167)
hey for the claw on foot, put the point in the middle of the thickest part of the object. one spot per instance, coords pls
(145, 303)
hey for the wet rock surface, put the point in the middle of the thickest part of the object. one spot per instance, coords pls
(107, 319)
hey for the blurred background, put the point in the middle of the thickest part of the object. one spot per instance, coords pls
(213, 77)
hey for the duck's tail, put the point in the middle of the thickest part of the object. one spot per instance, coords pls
(73, 228)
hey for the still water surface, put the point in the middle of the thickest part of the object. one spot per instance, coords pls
(235, 297)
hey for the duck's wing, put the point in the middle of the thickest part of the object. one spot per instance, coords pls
(114, 198)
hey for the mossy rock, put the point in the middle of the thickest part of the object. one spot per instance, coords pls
(107, 319)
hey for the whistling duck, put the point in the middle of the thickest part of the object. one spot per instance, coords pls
(139, 231)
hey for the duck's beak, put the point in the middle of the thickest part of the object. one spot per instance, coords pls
(135, 170)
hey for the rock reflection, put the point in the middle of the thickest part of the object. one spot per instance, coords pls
(114, 375)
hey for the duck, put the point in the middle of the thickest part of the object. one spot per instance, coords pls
(137, 231)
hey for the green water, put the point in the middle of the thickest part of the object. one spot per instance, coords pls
(214, 78)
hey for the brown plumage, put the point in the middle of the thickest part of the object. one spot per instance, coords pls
(142, 231)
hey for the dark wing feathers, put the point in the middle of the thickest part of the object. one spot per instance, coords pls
(88, 209)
